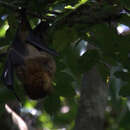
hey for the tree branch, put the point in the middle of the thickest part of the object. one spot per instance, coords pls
(17, 120)
(92, 102)
(90, 14)
(17, 9)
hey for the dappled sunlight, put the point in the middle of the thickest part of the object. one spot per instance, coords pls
(3, 29)
(65, 109)
(32, 111)
(88, 42)
(123, 29)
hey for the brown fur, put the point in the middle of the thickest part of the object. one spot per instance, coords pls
(37, 74)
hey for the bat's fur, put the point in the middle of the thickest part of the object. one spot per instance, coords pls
(37, 73)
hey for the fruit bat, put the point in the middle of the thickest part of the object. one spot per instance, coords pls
(31, 59)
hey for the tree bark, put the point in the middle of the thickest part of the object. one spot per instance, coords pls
(92, 102)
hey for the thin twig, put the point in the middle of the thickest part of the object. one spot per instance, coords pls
(10, 6)
(17, 9)
(17, 120)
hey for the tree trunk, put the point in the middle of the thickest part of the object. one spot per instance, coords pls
(92, 102)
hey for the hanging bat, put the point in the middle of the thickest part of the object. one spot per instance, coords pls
(31, 59)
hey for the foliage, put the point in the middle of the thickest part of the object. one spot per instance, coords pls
(74, 24)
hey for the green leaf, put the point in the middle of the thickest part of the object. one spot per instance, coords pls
(63, 38)
(125, 19)
(113, 47)
(60, 65)
(123, 75)
(104, 37)
(6, 95)
(125, 3)
(125, 90)
(64, 85)
(88, 60)
(71, 56)
(52, 104)
(125, 120)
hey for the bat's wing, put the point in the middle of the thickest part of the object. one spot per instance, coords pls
(14, 58)
(7, 77)
(34, 38)
(15, 55)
